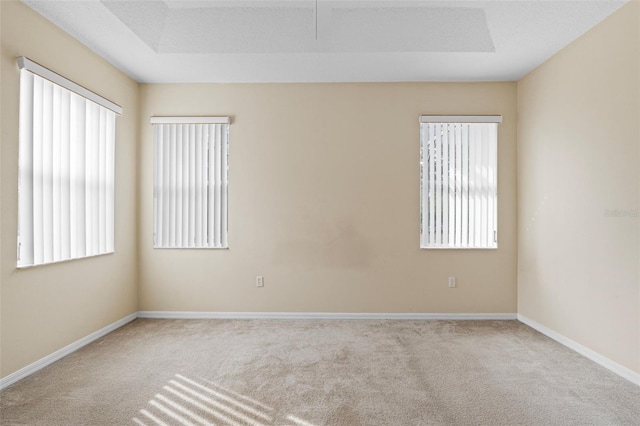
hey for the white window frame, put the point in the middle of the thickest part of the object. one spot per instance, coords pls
(66, 169)
(459, 182)
(191, 162)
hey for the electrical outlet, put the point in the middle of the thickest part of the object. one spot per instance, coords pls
(452, 282)
(259, 281)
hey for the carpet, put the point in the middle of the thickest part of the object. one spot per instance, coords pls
(322, 372)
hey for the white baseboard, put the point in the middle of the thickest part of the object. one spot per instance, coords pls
(320, 315)
(607, 363)
(49, 359)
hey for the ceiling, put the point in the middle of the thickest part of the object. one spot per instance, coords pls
(180, 41)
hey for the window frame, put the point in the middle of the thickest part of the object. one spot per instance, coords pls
(62, 127)
(221, 194)
(458, 179)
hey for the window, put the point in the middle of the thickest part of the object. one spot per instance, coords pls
(458, 181)
(190, 182)
(66, 169)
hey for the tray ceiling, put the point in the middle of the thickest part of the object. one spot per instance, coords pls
(162, 41)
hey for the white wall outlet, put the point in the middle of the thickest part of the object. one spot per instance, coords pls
(452, 282)
(259, 281)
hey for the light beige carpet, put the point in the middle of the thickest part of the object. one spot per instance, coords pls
(301, 373)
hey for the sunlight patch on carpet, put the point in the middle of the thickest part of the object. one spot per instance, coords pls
(190, 402)
(298, 421)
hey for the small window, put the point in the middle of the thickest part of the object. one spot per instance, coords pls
(190, 182)
(458, 182)
(65, 169)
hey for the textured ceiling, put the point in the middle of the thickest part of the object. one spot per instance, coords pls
(160, 41)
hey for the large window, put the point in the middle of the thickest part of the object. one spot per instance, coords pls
(66, 169)
(190, 182)
(458, 176)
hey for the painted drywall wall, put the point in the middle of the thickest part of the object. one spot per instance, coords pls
(324, 203)
(47, 307)
(578, 190)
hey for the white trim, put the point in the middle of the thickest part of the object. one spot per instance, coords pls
(21, 267)
(61, 353)
(321, 315)
(190, 120)
(461, 119)
(29, 65)
(594, 356)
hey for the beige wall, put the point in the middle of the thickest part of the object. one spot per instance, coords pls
(324, 202)
(578, 156)
(47, 307)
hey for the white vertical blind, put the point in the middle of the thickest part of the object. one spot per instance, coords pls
(190, 182)
(459, 183)
(66, 174)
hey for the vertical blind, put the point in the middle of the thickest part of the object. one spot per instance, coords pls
(458, 184)
(190, 182)
(66, 173)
